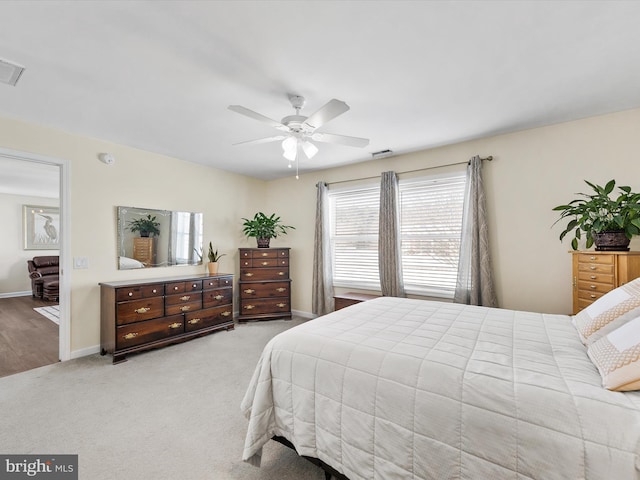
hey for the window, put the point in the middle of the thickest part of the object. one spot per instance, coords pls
(430, 229)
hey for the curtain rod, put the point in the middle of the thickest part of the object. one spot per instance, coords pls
(489, 158)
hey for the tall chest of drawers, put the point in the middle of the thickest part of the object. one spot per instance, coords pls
(596, 273)
(144, 314)
(265, 284)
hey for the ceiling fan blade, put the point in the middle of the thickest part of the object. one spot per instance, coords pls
(257, 116)
(341, 139)
(329, 111)
(262, 140)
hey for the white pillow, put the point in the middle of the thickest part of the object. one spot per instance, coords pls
(607, 308)
(617, 357)
(126, 262)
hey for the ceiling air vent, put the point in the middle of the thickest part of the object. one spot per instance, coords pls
(382, 154)
(10, 72)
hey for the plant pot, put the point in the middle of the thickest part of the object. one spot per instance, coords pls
(213, 268)
(263, 242)
(144, 234)
(614, 240)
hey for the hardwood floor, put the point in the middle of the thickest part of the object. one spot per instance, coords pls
(27, 339)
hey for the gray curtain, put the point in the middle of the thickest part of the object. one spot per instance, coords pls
(474, 284)
(389, 253)
(322, 286)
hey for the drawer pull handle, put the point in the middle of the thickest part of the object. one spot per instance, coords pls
(193, 321)
(131, 335)
(249, 307)
(592, 267)
(281, 305)
(218, 297)
(593, 277)
(592, 287)
(175, 288)
(280, 273)
(592, 296)
(249, 274)
(592, 257)
(265, 254)
(185, 308)
(265, 264)
(226, 313)
(131, 294)
(246, 263)
(175, 325)
(142, 309)
(281, 289)
(211, 284)
(185, 298)
(249, 291)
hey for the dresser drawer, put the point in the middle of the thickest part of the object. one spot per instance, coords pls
(179, 287)
(208, 317)
(139, 310)
(183, 307)
(211, 283)
(588, 287)
(183, 298)
(591, 276)
(214, 298)
(596, 258)
(148, 331)
(258, 306)
(143, 291)
(265, 290)
(249, 274)
(605, 268)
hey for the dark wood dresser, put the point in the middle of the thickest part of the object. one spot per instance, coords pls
(265, 284)
(151, 313)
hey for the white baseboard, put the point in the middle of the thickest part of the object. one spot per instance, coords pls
(15, 294)
(302, 314)
(83, 352)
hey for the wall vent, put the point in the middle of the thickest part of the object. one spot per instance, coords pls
(10, 73)
(382, 154)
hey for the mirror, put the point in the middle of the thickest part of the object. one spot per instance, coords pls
(174, 238)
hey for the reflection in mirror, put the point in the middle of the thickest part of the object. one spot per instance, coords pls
(179, 241)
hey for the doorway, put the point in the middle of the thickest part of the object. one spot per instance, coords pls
(32, 338)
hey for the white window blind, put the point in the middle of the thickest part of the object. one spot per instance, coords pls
(354, 237)
(430, 229)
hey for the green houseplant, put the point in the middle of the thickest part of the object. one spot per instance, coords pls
(214, 257)
(609, 222)
(145, 225)
(264, 228)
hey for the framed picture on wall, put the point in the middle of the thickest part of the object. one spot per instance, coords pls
(41, 227)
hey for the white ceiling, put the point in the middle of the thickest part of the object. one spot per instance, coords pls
(417, 74)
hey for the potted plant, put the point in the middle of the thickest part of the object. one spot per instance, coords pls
(145, 225)
(264, 228)
(608, 222)
(214, 257)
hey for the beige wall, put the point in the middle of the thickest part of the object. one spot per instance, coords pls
(532, 171)
(138, 178)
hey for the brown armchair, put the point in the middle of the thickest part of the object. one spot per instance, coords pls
(44, 274)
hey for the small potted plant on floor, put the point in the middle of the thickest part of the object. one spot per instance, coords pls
(214, 257)
(264, 228)
(607, 222)
(147, 226)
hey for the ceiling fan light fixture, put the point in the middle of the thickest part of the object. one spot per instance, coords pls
(290, 147)
(309, 149)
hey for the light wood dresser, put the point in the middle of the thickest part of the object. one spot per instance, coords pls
(144, 250)
(596, 273)
(265, 284)
(151, 313)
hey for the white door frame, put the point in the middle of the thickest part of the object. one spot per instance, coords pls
(64, 348)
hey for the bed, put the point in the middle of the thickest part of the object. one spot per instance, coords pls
(399, 388)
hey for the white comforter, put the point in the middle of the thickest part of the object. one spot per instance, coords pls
(409, 389)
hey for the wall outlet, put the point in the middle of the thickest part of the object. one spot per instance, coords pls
(80, 262)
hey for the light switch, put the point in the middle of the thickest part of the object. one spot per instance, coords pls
(80, 262)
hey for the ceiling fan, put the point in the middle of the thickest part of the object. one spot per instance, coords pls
(298, 130)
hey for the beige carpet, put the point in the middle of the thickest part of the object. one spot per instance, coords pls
(172, 413)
